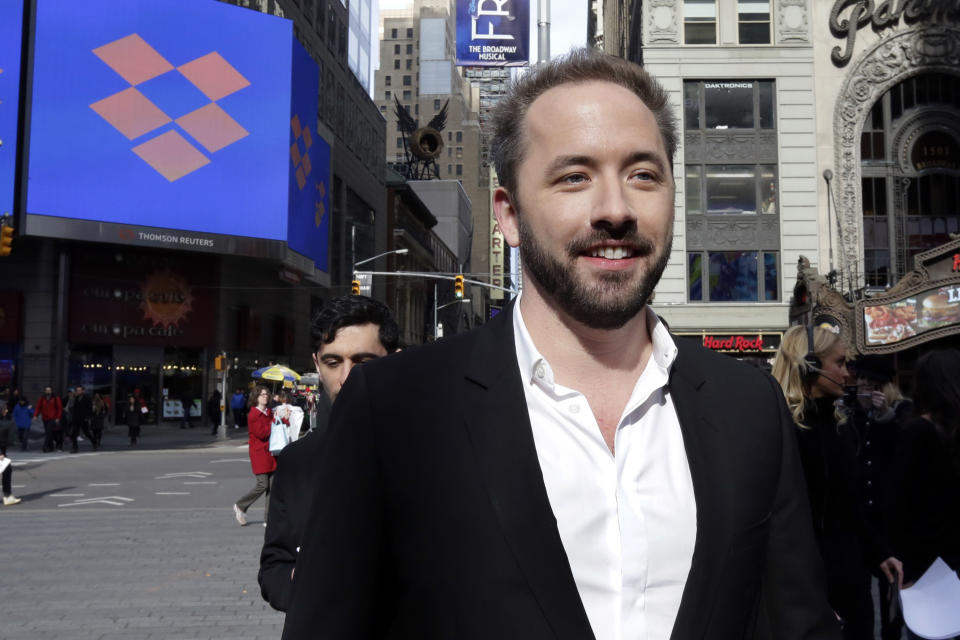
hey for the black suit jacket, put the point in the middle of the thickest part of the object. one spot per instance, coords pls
(433, 521)
(291, 493)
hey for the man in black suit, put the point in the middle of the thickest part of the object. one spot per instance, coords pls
(569, 470)
(349, 331)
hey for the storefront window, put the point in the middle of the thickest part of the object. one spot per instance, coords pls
(729, 104)
(699, 22)
(734, 276)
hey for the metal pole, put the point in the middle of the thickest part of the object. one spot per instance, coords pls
(434, 311)
(543, 30)
(828, 176)
(222, 431)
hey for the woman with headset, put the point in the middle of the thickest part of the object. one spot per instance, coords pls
(813, 378)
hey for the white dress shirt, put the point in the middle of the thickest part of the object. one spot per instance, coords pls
(628, 521)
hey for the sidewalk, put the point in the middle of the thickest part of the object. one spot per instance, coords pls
(166, 435)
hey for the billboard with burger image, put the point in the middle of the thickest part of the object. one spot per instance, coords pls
(940, 308)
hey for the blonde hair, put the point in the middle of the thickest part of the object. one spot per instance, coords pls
(892, 393)
(792, 371)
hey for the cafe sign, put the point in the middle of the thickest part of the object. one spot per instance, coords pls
(739, 343)
(924, 305)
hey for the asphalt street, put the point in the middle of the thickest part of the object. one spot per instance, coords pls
(133, 542)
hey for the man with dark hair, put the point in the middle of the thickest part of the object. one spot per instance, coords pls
(349, 331)
(80, 417)
(570, 469)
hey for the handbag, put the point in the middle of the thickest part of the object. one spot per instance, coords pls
(279, 438)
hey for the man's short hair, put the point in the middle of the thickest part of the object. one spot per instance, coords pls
(578, 66)
(347, 311)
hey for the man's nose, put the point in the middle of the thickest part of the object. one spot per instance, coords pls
(345, 371)
(613, 208)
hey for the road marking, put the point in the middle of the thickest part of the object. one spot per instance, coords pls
(172, 493)
(242, 446)
(66, 495)
(104, 484)
(117, 501)
(202, 482)
(230, 460)
(18, 486)
(184, 474)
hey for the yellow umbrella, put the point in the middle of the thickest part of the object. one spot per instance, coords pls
(277, 373)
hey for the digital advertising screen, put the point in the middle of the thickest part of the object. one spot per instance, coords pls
(171, 117)
(493, 33)
(308, 225)
(11, 28)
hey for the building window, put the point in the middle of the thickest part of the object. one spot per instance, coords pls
(386, 95)
(449, 169)
(407, 81)
(436, 105)
(407, 96)
(754, 21)
(399, 143)
(409, 33)
(459, 152)
(459, 170)
(459, 136)
(409, 49)
(699, 21)
(393, 34)
(396, 49)
(409, 63)
(396, 64)
(872, 138)
(731, 189)
(387, 80)
(416, 109)
(733, 276)
(731, 104)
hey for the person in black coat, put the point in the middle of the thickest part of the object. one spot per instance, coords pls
(213, 412)
(924, 511)
(828, 451)
(80, 416)
(132, 416)
(350, 330)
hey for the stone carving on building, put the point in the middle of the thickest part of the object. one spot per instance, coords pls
(922, 49)
(793, 24)
(741, 233)
(662, 22)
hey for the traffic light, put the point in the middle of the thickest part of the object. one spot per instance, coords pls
(355, 287)
(6, 240)
(458, 286)
(219, 363)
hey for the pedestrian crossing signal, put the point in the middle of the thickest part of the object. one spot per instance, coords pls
(458, 286)
(355, 287)
(6, 240)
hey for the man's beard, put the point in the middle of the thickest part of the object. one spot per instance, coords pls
(611, 301)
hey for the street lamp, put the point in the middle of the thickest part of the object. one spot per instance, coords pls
(436, 308)
(398, 252)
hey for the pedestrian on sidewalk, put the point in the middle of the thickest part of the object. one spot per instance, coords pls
(97, 420)
(213, 412)
(186, 401)
(132, 415)
(263, 463)
(50, 408)
(80, 418)
(238, 405)
(6, 468)
(22, 417)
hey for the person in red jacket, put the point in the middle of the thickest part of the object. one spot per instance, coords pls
(264, 464)
(50, 408)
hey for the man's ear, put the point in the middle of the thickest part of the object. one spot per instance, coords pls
(316, 362)
(507, 216)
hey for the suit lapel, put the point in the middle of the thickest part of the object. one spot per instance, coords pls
(499, 429)
(686, 387)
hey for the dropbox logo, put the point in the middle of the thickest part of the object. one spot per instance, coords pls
(160, 94)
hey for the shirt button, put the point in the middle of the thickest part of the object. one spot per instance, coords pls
(575, 408)
(540, 371)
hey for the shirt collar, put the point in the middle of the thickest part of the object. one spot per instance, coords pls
(534, 368)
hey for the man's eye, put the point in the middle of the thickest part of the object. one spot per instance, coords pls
(330, 363)
(574, 178)
(644, 176)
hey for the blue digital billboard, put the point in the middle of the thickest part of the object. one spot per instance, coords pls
(11, 28)
(493, 33)
(308, 227)
(172, 115)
